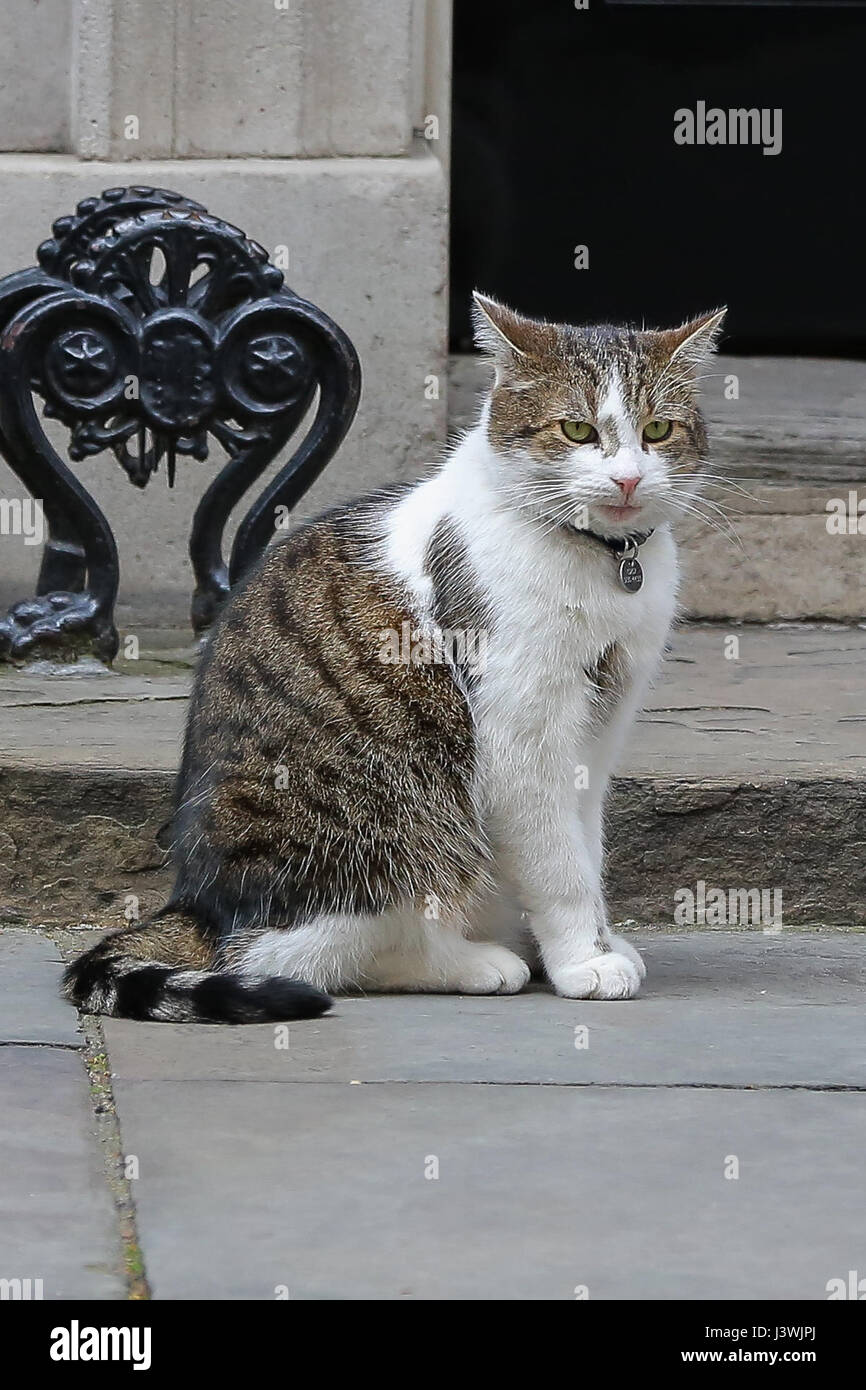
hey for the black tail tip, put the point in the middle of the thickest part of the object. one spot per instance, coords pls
(236, 999)
(293, 999)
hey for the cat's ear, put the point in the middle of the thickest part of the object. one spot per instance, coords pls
(506, 335)
(695, 340)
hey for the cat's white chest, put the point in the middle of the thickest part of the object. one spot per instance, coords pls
(537, 702)
(550, 624)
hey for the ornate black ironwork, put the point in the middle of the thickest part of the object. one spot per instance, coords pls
(149, 328)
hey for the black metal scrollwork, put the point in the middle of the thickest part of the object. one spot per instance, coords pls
(150, 328)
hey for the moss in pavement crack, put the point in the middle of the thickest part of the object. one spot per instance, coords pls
(108, 1132)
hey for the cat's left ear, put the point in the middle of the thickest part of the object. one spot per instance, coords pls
(695, 340)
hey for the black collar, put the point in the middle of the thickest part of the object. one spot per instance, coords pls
(618, 544)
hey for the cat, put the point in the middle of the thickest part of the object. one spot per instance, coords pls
(415, 702)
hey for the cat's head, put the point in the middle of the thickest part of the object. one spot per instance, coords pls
(595, 428)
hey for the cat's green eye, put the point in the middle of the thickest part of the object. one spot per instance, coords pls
(657, 430)
(578, 431)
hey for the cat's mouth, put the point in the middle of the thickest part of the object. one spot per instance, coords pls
(626, 514)
(608, 519)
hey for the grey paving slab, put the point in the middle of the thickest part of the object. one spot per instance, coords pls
(31, 1010)
(719, 1009)
(790, 704)
(57, 1218)
(323, 1190)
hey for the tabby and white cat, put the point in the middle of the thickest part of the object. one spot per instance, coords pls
(417, 700)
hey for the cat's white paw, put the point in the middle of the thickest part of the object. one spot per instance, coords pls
(613, 975)
(488, 969)
(625, 948)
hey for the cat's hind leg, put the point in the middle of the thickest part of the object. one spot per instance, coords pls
(400, 951)
(333, 947)
(448, 964)
(423, 953)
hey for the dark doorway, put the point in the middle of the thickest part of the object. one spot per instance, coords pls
(564, 124)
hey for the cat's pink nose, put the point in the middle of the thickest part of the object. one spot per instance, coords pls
(627, 486)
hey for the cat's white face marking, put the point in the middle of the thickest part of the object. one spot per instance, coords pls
(617, 481)
(612, 407)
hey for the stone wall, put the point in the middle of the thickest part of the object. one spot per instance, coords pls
(299, 120)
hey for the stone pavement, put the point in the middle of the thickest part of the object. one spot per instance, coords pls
(453, 1148)
(57, 1217)
(746, 769)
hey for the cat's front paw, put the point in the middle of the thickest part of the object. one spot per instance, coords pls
(609, 976)
(625, 948)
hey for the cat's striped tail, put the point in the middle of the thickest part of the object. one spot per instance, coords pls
(159, 972)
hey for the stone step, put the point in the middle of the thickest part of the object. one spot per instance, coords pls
(792, 445)
(746, 772)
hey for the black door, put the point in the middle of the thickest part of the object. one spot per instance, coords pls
(571, 130)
